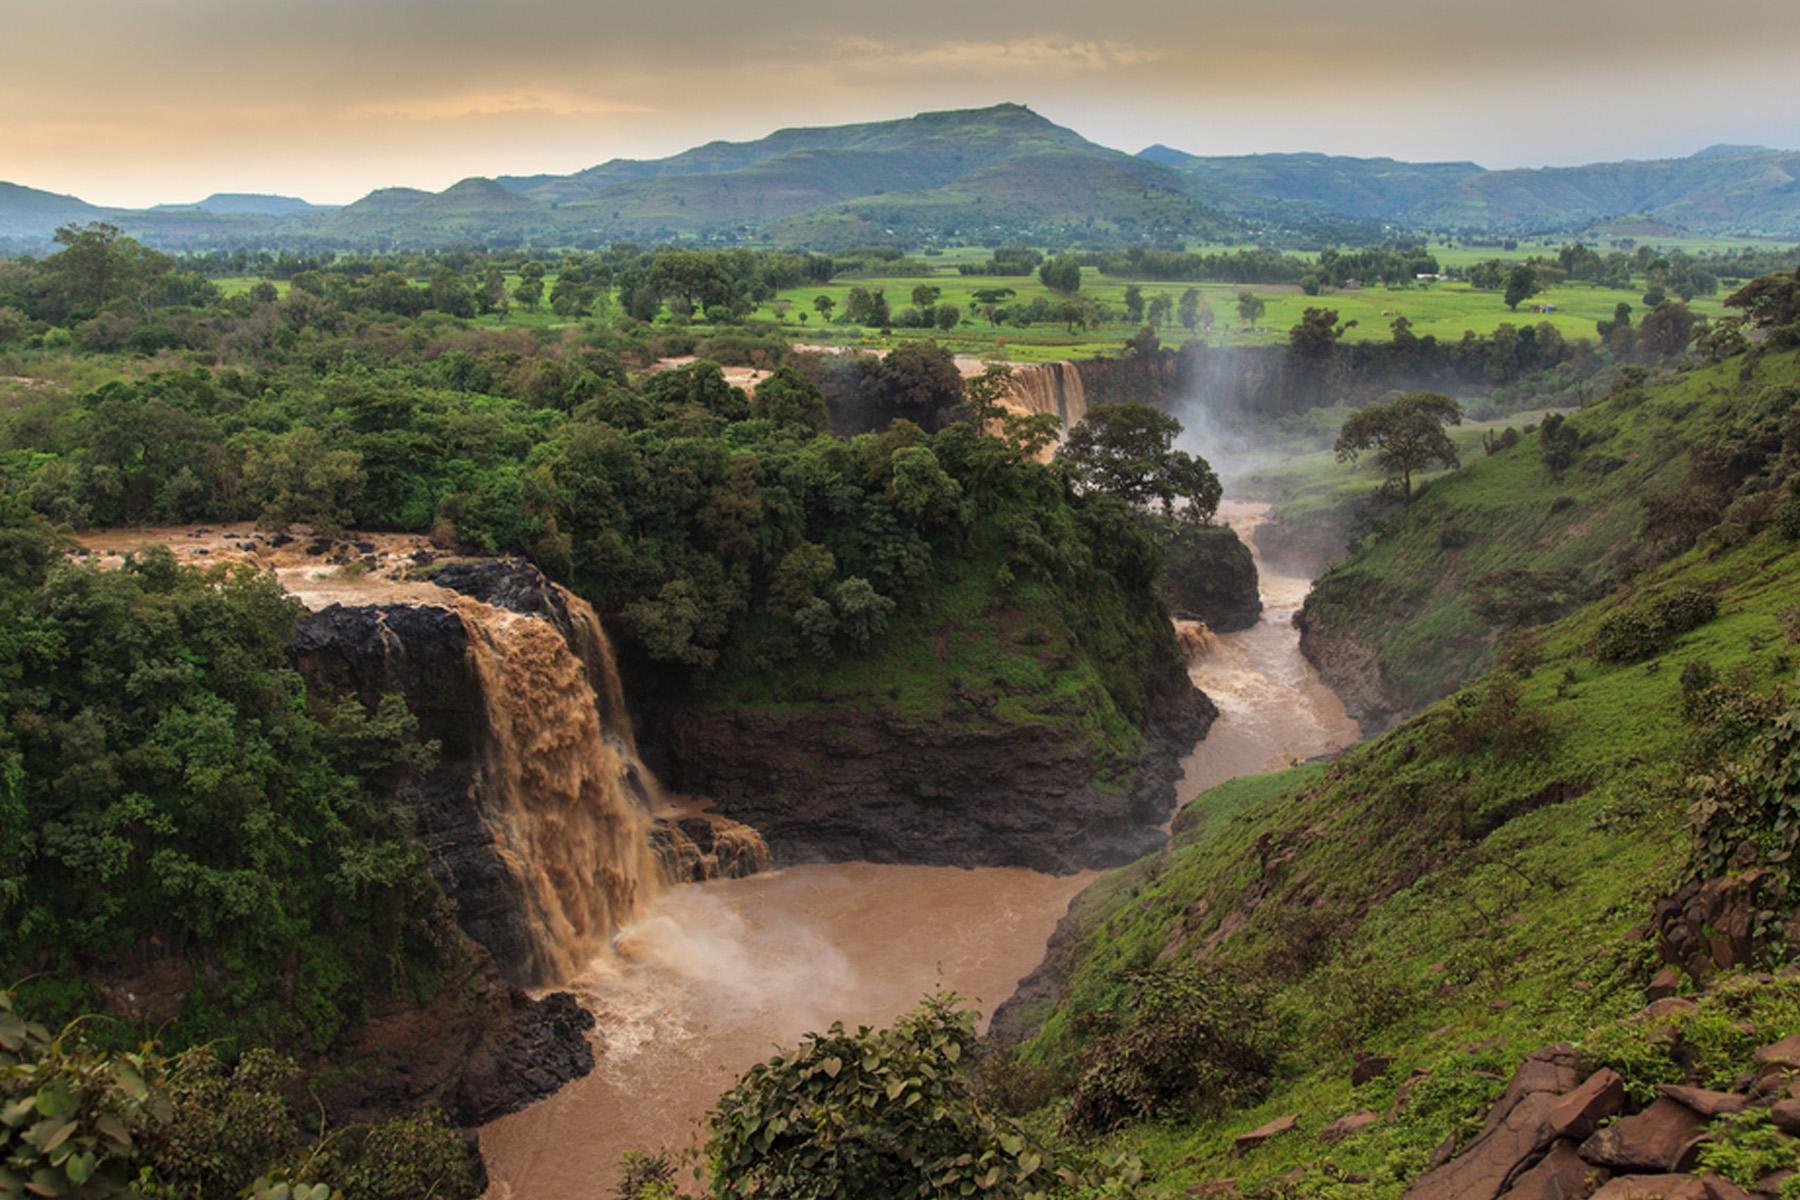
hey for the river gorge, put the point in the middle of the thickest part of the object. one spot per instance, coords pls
(569, 876)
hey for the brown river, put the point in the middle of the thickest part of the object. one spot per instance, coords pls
(718, 976)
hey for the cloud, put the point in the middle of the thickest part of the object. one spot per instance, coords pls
(461, 105)
(1017, 54)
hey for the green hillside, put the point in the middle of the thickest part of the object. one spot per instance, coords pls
(1447, 897)
(1511, 542)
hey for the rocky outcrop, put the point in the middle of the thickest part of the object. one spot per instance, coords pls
(1208, 575)
(477, 1050)
(1549, 1138)
(1353, 671)
(421, 653)
(1711, 925)
(838, 783)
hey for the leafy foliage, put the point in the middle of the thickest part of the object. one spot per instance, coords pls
(1194, 1039)
(86, 1123)
(164, 791)
(872, 1115)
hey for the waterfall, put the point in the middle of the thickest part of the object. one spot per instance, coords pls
(1194, 639)
(1053, 388)
(562, 790)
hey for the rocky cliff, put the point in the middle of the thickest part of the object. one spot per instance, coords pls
(833, 784)
(1209, 575)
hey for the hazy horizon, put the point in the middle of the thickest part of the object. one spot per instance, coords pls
(175, 99)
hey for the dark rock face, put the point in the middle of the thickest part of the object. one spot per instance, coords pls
(422, 653)
(1209, 575)
(478, 1050)
(838, 785)
(1354, 672)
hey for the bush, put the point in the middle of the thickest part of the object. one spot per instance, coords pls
(1496, 718)
(1195, 1039)
(1634, 633)
(887, 1113)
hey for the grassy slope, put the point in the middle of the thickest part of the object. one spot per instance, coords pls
(1407, 594)
(1451, 949)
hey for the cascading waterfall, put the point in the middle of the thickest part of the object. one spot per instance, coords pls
(566, 799)
(1053, 388)
(1194, 639)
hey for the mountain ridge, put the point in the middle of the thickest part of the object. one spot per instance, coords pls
(1002, 172)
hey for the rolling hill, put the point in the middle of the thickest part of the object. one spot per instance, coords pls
(1721, 189)
(984, 175)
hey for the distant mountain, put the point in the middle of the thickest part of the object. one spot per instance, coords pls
(986, 175)
(1371, 188)
(1723, 188)
(242, 204)
(30, 213)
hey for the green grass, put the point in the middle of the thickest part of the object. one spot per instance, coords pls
(1453, 951)
(1407, 596)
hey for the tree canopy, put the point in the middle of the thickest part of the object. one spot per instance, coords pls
(1406, 435)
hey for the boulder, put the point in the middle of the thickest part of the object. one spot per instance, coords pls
(1708, 1104)
(1668, 1006)
(1262, 1133)
(1561, 1174)
(1348, 1124)
(1786, 1115)
(1655, 1187)
(1518, 1129)
(1367, 1067)
(1663, 984)
(1784, 1055)
(1656, 1139)
(1579, 1113)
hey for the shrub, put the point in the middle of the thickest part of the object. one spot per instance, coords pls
(1787, 518)
(1496, 718)
(874, 1113)
(1629, 634)
(1195, 1039)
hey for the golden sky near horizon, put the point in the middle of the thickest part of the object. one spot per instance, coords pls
(169, 100)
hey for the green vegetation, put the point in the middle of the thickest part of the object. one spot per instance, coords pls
(1558, 515)
(89, 1123)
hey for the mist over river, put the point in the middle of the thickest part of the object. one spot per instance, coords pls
(717, 976)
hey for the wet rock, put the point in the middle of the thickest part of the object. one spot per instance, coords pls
(1561, 1174)
(1348, 1124)
(1656, 1139)
(1580, 1112)
(545, 1046)
(1708, 1104)
(1262, 1133)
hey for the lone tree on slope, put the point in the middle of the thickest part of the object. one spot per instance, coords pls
(1405, 436)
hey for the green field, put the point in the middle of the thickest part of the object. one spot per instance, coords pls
(1444, 309)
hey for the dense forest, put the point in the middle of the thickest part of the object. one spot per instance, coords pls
(173, 793)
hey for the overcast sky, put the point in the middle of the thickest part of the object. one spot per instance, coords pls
(135, 101)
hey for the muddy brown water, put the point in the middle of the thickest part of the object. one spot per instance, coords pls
(721, 975)
(708, 979)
